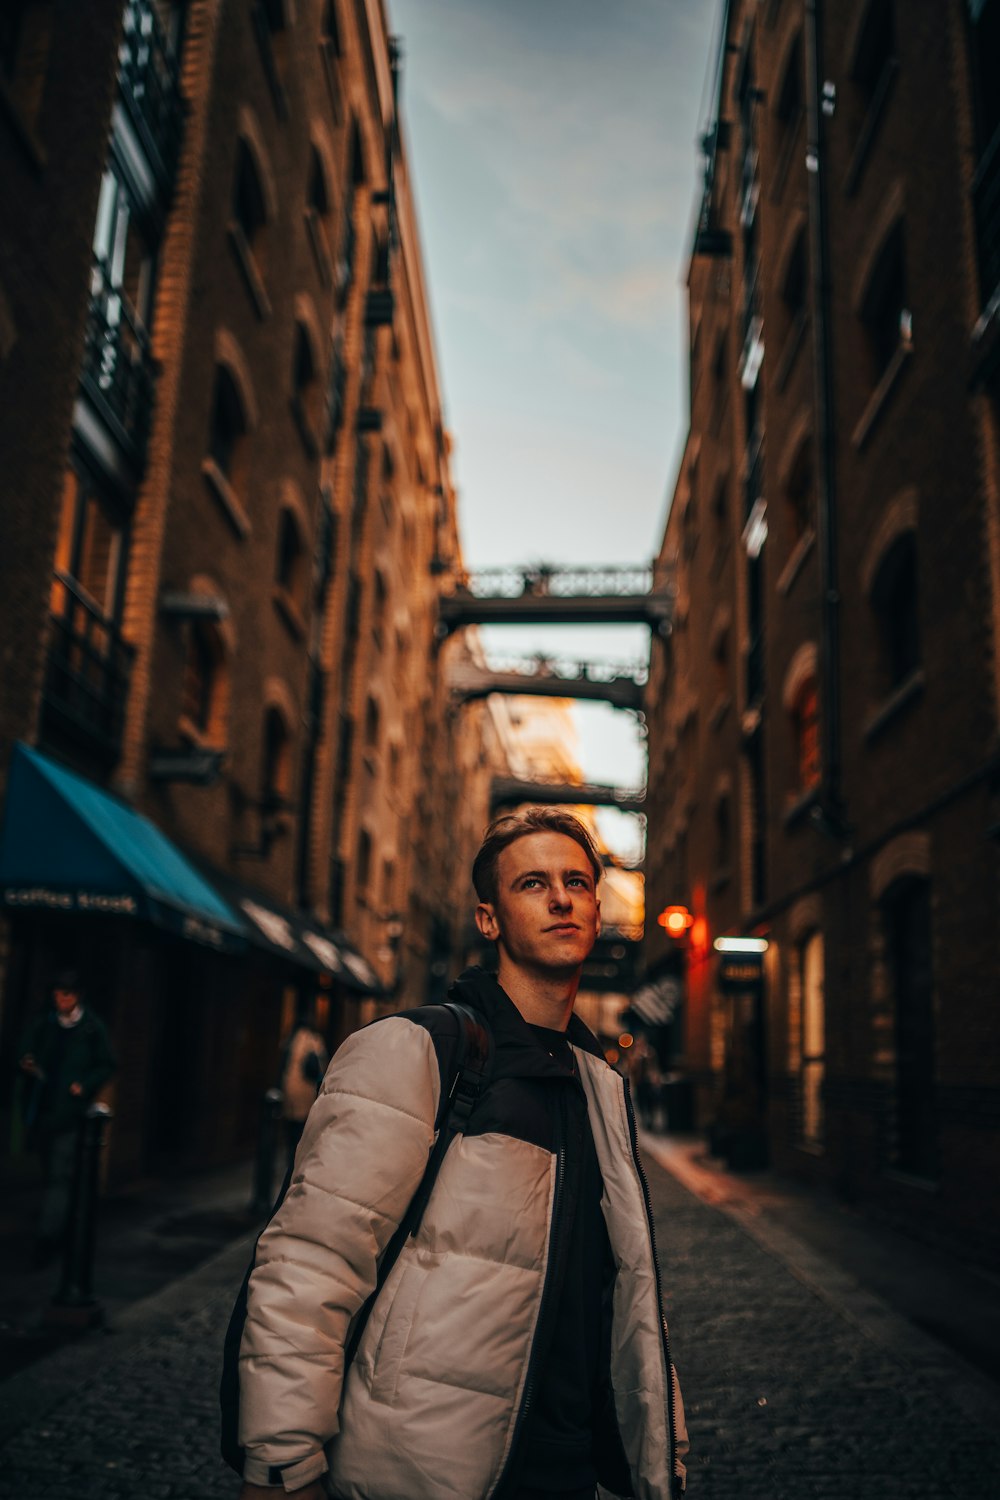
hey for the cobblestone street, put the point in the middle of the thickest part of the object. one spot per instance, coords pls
(789, 1395)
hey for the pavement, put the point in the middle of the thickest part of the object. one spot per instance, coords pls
(147, 1236)
(804, 1372)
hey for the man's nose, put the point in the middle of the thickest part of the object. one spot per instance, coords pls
(559, 896)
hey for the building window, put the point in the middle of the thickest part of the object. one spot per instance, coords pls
(363, 867)
(805, 729)
(228, 431)
(984, 49)
(319, 206)
(203, 685)
(90, 551)
(291, 559)
(799, 496)
(307, 394)
(907, 925)
(895, 602)
(884, 312)
(372, 723)
(788, 112)
(812, 1040)
(875, 56)
(380, 595)
(793, 286)
(250, 204)
(25, 39)
(276, 768)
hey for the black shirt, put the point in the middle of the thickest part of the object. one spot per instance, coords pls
(572, 1367)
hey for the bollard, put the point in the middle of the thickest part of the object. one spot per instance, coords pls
(267, 1144)
(74, 1302)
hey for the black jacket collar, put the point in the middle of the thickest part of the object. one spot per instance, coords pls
(518, 1053)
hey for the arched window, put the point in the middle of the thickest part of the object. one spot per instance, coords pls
(228, 427)
(307, 395)
(372, 723)
(812, 1039)
(789, 110)
(799, 494)
(885, 308)
(276, 762)
(203, 687)
(249, 203)
(363, 866)
(291, 558)
(895, 602)
(805, 729)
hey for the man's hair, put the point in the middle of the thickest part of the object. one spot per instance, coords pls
(68, 980)
(512, 826)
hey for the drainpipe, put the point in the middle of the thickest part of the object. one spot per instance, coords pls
(820, 100)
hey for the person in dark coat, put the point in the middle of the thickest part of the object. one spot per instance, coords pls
(66, 1057)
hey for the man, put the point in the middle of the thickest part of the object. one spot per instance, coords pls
(517, 1348)
(66, 1057)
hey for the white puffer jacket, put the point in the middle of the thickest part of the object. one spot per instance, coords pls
(433, 1403)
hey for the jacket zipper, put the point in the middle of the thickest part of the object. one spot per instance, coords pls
(644, 1183)
(529, 1384)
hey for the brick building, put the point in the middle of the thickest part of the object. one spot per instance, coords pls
(226, 516)
(823, 721)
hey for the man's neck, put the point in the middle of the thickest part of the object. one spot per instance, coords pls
(542, 999)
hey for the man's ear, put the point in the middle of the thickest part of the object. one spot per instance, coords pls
(486, 921)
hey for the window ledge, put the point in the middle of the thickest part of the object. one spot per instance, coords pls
(798, 808)
(796, 561)
(720, 708)
(881, 395)
(786, 156)
(320, 246)
(869, 129)
(310, 442)
(289, 611)
(790, 349)
(810, 1148)
(22, 131)
(328, 56)
(229, 501)
(198, 739)
(721, 879)
(247, 262)
(898, 700)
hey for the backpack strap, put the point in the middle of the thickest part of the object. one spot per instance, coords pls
(471, 1070)
(473, 1067)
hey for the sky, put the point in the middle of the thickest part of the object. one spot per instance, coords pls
(553, 149)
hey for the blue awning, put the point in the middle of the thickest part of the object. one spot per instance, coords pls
(67, 845)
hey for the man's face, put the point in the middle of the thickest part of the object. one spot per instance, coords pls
(66, 1001)
(546, 916)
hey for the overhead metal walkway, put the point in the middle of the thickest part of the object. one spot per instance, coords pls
(620, 684)
(543, 595)
(509, 791)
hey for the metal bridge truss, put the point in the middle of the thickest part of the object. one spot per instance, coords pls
(540, 594)
(509, 791)
(617, 683)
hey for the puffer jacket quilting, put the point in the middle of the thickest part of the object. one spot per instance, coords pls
(430, 1405)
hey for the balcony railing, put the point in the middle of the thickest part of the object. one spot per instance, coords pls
(150, 87)
(117, 362)
(87, 673)
(986, 199)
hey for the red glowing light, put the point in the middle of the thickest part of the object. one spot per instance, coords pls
(676, 920)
